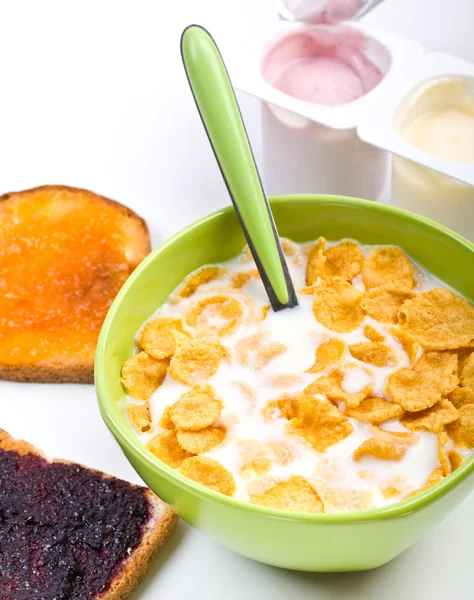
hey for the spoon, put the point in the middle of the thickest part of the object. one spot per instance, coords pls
(222, 120)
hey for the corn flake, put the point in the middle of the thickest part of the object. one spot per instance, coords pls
(342, 500)
(467, 373)
(286, 406)
(331, 387)
(248, 344)
(210, 473)
(328, 353)
(246, 389)
(373, 334)
(378, 354)
(461, 396)
(381, 448)
(254, 458)
(196, 409)
(240, 279)
(316, 260)
(139, 415)
(432, 419)
(385, 445)
(320, 423)
(438, 319)
(198, 278)
(383, 303)
(462, 430)
(446, 362)
(246, 256)
(463, 356)
(291, 251)
(402, 437)
(142, 375)
(435, 477)
(295, 494)
(390, 492)
(225, 310)
(343, 260)
(408, 342)
(455, 460)
(165, 421)
(285, 380)
(443, 459)
(336, 305)
(375, 410)
(201, 441)
(283, 454)
(260, 485)
(157, 337)
(165, 447)
(268, 352)
(422, 386)
(328, 470)
(195, 358)
(386, 266)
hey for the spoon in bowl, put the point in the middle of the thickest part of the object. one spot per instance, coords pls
(217, 105)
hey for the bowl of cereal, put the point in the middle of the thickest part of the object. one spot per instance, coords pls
(327, 437)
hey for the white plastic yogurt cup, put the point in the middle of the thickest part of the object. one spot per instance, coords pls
(309, 140)
(438, 118)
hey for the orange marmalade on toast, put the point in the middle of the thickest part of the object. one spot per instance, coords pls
(64, 255)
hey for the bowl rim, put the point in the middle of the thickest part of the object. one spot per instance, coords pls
(110, 412)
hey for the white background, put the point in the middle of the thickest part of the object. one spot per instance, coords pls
(93, 95)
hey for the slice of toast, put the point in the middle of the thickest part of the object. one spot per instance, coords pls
(64, 255)
(71, 532)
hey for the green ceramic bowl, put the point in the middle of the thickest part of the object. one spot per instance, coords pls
(332, 542)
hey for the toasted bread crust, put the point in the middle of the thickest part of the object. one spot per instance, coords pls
(137, 564)
(61, 371)
(161, 524)
(19, 446)
(67, 370)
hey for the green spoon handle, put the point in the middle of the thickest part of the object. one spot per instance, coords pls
(220, 113)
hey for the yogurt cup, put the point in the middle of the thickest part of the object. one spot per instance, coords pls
(434, 195)
(428, 124)
(309, 136)
(307, 156)
(438, 118)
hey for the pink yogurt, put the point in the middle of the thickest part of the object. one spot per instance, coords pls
(322, 65)
(324, 11)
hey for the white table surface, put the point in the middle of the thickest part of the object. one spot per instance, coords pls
(93, 95)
